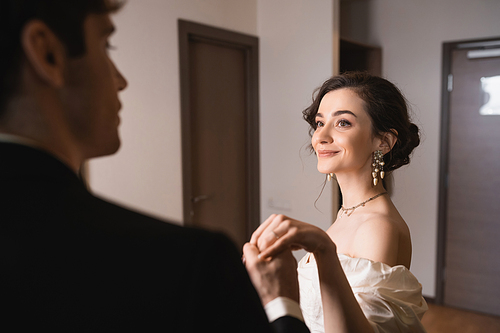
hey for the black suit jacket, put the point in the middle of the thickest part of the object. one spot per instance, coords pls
(73, 262)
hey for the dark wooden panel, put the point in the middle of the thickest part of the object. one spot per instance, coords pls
(473, 209)
(218, 147)
(220, 129)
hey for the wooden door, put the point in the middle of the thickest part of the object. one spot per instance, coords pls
(356, 56)
(471, 234)
(220, 130)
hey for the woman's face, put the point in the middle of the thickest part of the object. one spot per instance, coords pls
(343, 139)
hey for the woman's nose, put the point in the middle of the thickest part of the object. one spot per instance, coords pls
(322, 136)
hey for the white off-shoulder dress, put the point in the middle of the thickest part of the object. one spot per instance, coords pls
(390, 297)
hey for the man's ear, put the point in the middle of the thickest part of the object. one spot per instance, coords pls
(388, 140)
(44, 52)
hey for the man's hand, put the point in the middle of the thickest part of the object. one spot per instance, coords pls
(272, 278)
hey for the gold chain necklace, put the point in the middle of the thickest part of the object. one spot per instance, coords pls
(349, 211)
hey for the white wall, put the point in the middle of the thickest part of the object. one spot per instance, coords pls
(296, 56)
(411, 34)
(146, 173)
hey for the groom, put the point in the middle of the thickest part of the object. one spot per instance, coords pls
(74, 262)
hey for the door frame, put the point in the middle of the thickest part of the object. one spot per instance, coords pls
(446, 84)
(191, 31)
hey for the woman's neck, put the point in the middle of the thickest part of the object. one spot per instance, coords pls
(357, 187)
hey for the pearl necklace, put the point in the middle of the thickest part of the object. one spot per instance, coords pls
(349, 211)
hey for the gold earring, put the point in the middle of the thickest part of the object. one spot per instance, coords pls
(378, 166)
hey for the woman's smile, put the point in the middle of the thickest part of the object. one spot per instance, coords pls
(324, 153)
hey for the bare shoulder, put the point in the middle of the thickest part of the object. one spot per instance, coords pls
(383, 238)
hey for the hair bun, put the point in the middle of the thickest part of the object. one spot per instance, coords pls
(400, 154)
(414, 137)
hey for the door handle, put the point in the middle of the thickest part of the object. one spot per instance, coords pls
(199, 198)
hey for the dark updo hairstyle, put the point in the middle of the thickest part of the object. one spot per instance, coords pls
(386, 106)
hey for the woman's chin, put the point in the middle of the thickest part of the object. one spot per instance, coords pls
(325, 171)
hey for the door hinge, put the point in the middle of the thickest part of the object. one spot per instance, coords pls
(450, 82)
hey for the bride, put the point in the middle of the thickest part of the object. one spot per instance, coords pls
(356, 275)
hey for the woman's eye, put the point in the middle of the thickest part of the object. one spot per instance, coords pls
(343, 123)
(319, 124)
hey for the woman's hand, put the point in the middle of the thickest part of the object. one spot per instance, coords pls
(272, 278)
(280, 232)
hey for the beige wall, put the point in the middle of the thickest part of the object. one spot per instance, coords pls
(296, 39)
(296, 56)
(411, 34)
(146, 173)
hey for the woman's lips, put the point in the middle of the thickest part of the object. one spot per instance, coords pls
(326, 153)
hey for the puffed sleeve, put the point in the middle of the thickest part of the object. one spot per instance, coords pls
(390, 297)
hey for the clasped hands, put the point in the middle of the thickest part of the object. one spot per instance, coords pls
(269, 259)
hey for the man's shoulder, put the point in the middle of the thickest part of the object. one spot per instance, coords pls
(39, 177)
(129, 223)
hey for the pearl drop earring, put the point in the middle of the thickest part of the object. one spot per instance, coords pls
(378, 166)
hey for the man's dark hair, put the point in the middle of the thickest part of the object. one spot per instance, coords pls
(64, 17)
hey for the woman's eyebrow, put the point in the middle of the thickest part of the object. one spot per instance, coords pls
(337, 113)
(341, 112)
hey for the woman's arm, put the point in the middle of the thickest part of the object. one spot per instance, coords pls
(340, 308)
